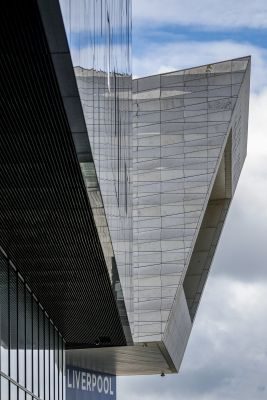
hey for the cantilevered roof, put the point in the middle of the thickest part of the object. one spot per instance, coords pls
(190, 133)
(190, 143)
(46, 222)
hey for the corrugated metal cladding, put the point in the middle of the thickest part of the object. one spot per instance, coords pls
(46, 224)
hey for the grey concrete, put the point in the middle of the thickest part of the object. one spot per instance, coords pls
(189, 145)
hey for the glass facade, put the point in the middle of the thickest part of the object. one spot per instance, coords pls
(32, 349)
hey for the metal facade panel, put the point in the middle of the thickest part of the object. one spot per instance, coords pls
(190, 134)
(182, 170)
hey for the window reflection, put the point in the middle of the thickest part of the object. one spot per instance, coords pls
(52, 363)
(13, 392)
(4, 388)
(22, 394)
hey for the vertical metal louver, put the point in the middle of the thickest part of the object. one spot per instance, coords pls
(46, 224)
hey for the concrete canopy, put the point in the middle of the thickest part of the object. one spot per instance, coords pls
(190, 140)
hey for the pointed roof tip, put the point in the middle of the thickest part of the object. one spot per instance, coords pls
(224, 66)
(247, 58)
(242, 58)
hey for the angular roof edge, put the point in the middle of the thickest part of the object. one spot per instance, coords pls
(248, 58)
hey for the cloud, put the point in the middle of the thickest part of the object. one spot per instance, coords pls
(207, 13)
(226, 358)
(183, 54)
(242, 253)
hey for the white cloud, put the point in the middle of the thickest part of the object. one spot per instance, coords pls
(183, 54)
(207, 13)
(242, 253)
(226, 357)
(227, 354)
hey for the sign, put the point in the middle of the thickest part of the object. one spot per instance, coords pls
(83, 384)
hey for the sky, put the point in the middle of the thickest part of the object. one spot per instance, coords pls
(226, 357)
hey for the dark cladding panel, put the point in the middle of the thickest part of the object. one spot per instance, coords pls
(46, 223)
(83, 384)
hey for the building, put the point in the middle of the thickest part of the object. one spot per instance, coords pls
(113, 196)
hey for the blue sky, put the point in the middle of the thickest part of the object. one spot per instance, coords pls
(226, 357)
(173, 34)
(168, 33)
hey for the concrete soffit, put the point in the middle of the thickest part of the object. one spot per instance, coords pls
(59, 48)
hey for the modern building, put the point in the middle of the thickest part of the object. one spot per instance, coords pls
(113, 197)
